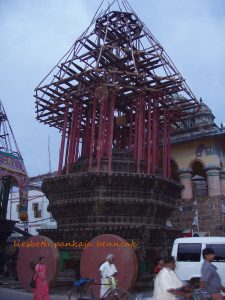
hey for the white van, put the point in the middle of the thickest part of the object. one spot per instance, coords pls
(188, 255)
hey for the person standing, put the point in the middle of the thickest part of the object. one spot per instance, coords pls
(167, 283)
(41, 290)
(210, 279)
(107, 272)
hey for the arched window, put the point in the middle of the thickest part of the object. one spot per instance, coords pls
(199, 179)
(174, 170)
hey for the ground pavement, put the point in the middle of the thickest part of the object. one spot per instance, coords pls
(12, 289)
(20, 294)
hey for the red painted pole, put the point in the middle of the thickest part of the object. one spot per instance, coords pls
(144, 131)
(76, 154)
(120, 137)
(154, 137)
(76, 134)
(61, 155)
(157, 137)
(130, 130)
(140, 134)
(168, 143)
(87, 134)
(84, 133)
(110, 132)
(104, 126)
(99, 145)
(136, 130)
(72, 136)
(67, 146)
(92, 135)
(124, 145)
(148, 154)
(165, 137)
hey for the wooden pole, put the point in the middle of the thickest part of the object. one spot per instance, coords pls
(99, 145)
(72, 137)
(148, 154)
(61, 155)
(110, 132)
(92, 146)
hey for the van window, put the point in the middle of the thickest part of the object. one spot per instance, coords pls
(219, 250)
(189, 252)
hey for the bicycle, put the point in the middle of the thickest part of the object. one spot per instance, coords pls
(202, 294)
(86, 293)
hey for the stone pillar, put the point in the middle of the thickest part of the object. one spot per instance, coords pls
(222, 182)
(186, 180)
(213, 180)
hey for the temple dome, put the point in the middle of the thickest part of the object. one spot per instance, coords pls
(204, 108)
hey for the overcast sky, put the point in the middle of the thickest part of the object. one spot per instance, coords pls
(35, 34)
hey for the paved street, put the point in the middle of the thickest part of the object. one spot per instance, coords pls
(18, 294)
(11, 294)
(12, 290)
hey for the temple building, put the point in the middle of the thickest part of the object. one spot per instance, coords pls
(197, 162)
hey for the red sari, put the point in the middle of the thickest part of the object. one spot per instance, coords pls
(41, 291)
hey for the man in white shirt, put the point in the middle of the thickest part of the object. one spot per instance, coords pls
(167, 282)
(107, 272)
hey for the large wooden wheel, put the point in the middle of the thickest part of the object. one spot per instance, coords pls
(28, 257)
(125, 260)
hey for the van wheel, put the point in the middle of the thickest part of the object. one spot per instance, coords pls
(195, 282)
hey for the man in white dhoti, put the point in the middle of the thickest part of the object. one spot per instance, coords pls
(107, 272)
(167, 283)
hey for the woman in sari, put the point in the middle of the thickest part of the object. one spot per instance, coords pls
(41, 291)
